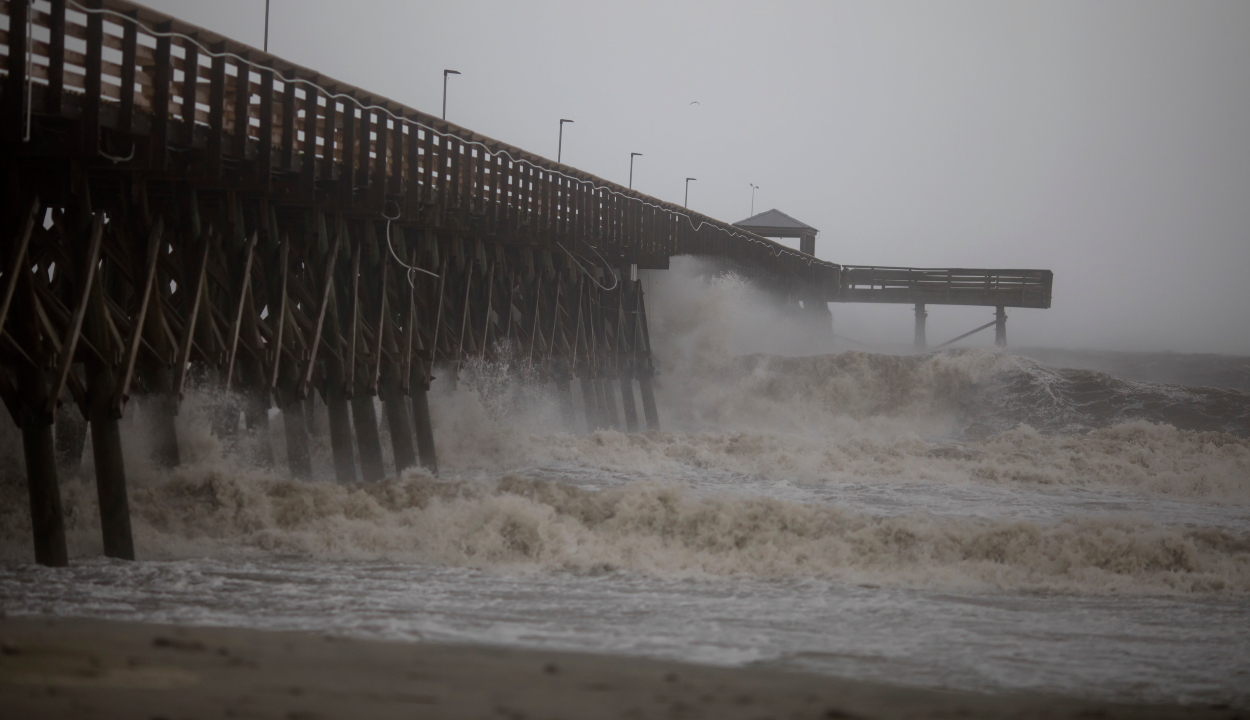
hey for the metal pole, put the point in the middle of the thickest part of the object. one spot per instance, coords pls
(754, 187)
(560, 147)
(686, 202)
(266, 25)
(445, 74)
(631, 168)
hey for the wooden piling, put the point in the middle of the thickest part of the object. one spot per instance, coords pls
(590, 402)
(71, 436)
(424, 428)
(110, 467)
(368, 443)
(298, 454)
(920, 344)
(1000, 326)
(648, 402)
(340, 433)
(47, 519)
(401, 432)
(628, 405)
(611, 418)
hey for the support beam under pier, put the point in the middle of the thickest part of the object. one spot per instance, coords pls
(920, 344)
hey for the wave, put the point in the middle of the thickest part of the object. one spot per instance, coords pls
(519, 523)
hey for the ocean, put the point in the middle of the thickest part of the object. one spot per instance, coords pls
(1075, 523)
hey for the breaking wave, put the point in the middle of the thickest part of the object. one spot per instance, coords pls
(712, 495)
(526, 523)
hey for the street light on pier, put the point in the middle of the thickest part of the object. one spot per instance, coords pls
(686, 202)
(445, 74)
(560, 147)
(754, 187)
(631, 168)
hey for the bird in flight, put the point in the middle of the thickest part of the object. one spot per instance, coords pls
(696, 102)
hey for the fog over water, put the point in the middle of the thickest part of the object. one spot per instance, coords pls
(1109, 142)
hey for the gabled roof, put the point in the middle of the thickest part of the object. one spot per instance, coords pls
(774, 219)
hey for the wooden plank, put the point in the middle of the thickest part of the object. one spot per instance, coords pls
(188, 330)
(380, 148)
(354, 328)
(92, 88)
(14, 271)
(155, 241)
(376, 372)
(126, 109)
(190, 89)
(361, 178)
(162, 77)
(348, 177)
(288, 120)
(56, 57)
(15, 84)
(244, 289)
(66, 360)
(315, 343)
(264, 150)
(242, 102)
(308, 169)
(217, 111)
(275, 356)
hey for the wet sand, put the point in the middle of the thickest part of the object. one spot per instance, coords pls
(55, 668)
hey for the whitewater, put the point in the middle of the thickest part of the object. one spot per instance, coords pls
(969, 519)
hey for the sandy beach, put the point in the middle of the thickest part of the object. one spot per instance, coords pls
(58, 668)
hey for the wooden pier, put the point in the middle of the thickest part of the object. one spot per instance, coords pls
(179, 205)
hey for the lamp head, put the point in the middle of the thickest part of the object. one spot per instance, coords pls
(450, 72)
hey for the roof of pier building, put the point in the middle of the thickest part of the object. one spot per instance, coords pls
(774, 223)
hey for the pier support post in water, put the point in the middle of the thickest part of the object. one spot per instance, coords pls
(367, 440)
(71, 437)
(1000, 326)
(110, 469)
(628, 406)
(920, 344)
(607, 409)
(561, 377)
(401, 431)
(340, 433)
(47, 520)
(648, 401)
(423, 427)
(298, 454)
(590, 402)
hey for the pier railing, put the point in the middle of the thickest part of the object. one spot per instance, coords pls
(945, 286)
(155, 95)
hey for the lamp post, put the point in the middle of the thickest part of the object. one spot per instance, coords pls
(445, 74)
(754, 187)
(266, 25)
(560, 147)
(686, 202)
(631, 168)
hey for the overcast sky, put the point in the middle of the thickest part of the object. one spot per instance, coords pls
(1107, 141)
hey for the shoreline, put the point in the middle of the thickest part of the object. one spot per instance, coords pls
(70, 667)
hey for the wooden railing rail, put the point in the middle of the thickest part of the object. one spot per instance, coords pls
(146, 87)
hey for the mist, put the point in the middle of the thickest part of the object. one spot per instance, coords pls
(1108, 142)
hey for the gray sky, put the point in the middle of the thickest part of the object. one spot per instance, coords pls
(1107, 141)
